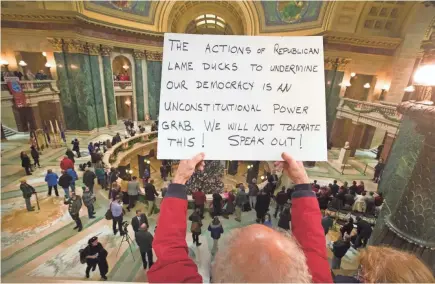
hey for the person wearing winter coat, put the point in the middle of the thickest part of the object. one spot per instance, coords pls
(70, 155)
(95, 254)
(51, 180)
(216, 230)
(146, 176)
(150, 196)
(76, 147)
(195, 227)
(285, 218)
(262, 206)
(199, 200)
(253, 192)
(65, 181)
(27, 191)
(267, 220)
(347, 228)
(241, 199)
(89, 200)
(35, 155)
(90, 148)
(75, 204)
(66, 163)
(163, 172)
(72, 173)
(281, 200)
(101, 177)
(339, 249)
(217, 204)
(133, 192)
(89, 179)
(25, 163)
(144, 240)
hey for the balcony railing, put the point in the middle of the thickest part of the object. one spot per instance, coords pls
(380, 115)
(122, 85)
(34, 86)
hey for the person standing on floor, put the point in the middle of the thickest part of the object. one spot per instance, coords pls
(199, 201)
(150, 196)
(216, 230)
(133, 192)
(267, 220)
(115, 191)
(65, 181)
(66, 163)
(347, 228)
(72, 173)
(96, 254)
(285, 218)
(146, 176)
(364, 231)
(138, 220)
(113, 175)
(101, 177)
(241, 200)
(253, 192)
(35, 156)
(90, 148)
(144, 241)
(262, 205)
(379, 168)
(327, 223)
(27, 191)
(339, 249)
(163, 172)
(281, 200)
(89, 179)
(195, 227)
(75, 204)
(89, 200)
(116, 208)
(334, 188)
(25, 163)
(51, 180)
(217, 204)
(76, 147)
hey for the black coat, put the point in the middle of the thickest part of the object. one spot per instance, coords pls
(70, 155)
(334, 189)
(89, 177)
(262, 205)
(65, 180)
(284, 219)
(76, 145)
(34, 153)
(281, 197)
(339, 248)
(25, 161)
(135, 223)
(144, 240)
(217, 203)
(150, 192)
(101, 260)
(348, 227)
(364, 229)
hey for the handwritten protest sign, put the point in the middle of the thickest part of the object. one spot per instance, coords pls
(242, 98)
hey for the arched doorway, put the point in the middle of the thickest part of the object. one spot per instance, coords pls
(123, 86)
(209, 24)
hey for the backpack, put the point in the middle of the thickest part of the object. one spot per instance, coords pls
(83, 255)
(109, 215)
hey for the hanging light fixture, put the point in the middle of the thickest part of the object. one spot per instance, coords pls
(4, 62)
(367, 85)
(126, 67)
(353, 74)
(48, 65)
(44, 53)
(22, 63)
(425, 75)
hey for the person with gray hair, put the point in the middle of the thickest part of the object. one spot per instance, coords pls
(144, 240)
(255, 253)
(253, 192)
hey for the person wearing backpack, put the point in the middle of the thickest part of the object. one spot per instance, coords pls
(95, 254)
(88, 200)
(216, 231)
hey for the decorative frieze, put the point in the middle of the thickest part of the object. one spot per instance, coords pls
(92, 49)
(74, 46)
(336, 62)
(56, 43)
(106, 50)
(153, 55)
(138, 54)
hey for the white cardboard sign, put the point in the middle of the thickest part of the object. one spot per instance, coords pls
(242, 98)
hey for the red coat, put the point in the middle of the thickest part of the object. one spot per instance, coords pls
(66, 164)
(199, 197)
(174, 264)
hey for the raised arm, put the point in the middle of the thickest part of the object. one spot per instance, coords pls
(173, 262)
(306, 221)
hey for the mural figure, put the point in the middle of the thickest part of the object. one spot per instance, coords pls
(290, 12)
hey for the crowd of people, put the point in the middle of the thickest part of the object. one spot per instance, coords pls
(301, 210)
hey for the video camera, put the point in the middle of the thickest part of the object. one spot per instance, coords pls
(124, 228)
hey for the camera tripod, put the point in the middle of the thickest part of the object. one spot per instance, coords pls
(126, 238)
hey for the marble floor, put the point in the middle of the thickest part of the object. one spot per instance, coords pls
(41, 246)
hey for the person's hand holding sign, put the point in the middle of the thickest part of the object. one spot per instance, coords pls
(186, 168)
(293, 169)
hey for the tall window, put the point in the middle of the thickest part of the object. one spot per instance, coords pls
(208, 24)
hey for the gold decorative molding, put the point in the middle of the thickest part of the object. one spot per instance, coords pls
(106, 50)
(336, 62)
(138, 54)
(74, 46)
(56, 43)
(153, 55)
(373, 42)
(93, 49)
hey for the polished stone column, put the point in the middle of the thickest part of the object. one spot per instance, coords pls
(139, 84)
(68, 104)
(412, 225)
(94, 53)
(388, 145)
(108, 84)
(154, 67)
(354, 137)
(336, 133)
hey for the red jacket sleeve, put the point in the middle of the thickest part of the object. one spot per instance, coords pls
(173, 262)
(308, 231)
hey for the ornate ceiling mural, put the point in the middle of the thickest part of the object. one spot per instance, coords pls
(290, 12)
(134, 10)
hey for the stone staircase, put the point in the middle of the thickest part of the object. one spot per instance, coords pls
(9, 131)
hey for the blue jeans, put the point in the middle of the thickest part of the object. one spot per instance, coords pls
(91, 210)
(66, 189)
(336, 262)
(73, 187)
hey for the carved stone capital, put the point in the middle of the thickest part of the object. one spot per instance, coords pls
(106, 50)
(153, 55)
(138, 54)
(56, 43)
(92, 49)
(332, 63)
(74, 46)
(423, 113)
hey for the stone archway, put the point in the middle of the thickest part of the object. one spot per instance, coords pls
(175, 17)
(123, 84)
